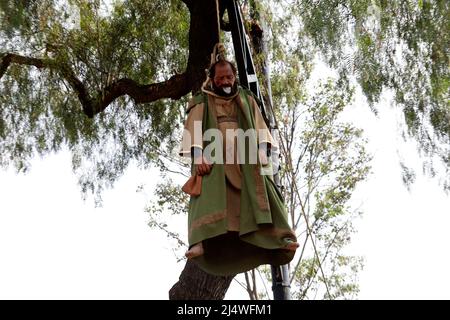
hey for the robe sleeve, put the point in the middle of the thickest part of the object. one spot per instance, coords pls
(263, 133)
(192, 133)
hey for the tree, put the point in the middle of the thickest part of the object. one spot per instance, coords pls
(397, 45)
(99, 86)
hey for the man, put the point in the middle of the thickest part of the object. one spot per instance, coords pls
(239, 220)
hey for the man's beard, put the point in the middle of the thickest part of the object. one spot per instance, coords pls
(222, 92)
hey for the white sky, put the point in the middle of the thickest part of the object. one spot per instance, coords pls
(403, 235)
(53, 246)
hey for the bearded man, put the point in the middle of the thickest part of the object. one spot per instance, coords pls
(238, 221)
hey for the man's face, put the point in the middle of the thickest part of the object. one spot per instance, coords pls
(224, 78)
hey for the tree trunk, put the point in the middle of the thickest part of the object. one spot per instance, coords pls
(196, 284)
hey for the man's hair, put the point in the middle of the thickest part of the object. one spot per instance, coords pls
(212, 69)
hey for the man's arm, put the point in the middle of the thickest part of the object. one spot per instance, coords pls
(264, 153)
(265, 140)
(263, 132)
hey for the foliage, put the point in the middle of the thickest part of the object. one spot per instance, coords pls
(401, 45)
(40, 114)
(324, 161)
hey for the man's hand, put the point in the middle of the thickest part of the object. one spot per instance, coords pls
(203, 168)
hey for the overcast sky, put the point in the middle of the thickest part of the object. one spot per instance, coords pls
(403, 234)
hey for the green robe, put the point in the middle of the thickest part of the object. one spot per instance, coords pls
(264, 230)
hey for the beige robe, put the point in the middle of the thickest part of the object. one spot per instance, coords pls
(226, 115)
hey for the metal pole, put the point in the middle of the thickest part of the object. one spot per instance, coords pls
(280, 283)
(244, 60)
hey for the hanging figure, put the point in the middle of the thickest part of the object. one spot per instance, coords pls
(237, 219)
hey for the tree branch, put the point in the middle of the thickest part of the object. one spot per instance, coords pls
(65, 71)
(13, 58)
(202, 38)
(176, 87)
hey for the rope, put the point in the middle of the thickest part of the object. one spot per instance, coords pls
(218, 19)
(218, 50)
